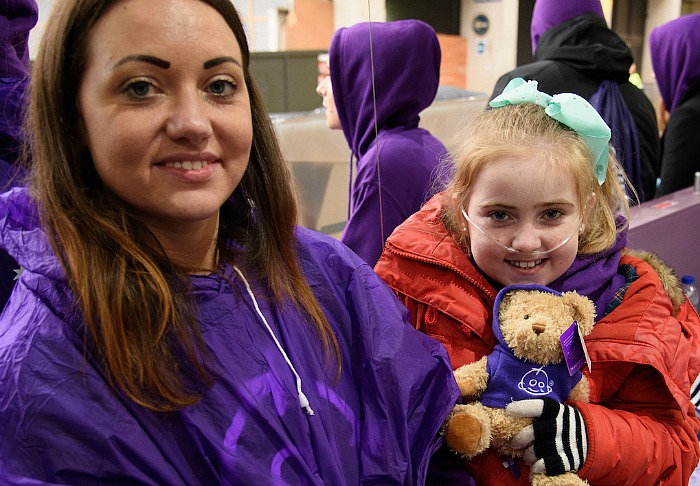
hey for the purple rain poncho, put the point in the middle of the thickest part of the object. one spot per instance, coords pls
(396, 161)
(17, 18)
(61, 423)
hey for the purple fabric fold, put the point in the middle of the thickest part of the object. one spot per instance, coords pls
(17, 18)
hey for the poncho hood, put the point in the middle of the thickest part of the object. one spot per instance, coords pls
(385, 66)
(675, 55)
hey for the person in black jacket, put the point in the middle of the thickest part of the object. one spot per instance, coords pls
(575, 51)
(675, 56)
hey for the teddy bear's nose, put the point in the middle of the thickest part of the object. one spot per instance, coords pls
(538, 328)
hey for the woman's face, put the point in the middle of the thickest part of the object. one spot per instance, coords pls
(165, 111)
(527, 206)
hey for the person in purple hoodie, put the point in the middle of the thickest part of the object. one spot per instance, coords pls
(383, 74)
(17, 18)
(172, 325)
(575, 51)
(675, 54)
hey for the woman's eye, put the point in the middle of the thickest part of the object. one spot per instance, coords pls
(139, 89)
(222, 87)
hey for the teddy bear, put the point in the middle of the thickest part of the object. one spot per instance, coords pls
(527, 362)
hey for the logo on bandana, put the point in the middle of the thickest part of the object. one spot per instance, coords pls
(536, 382)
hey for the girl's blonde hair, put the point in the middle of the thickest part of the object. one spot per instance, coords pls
(525, 130)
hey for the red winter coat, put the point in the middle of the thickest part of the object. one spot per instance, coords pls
(642, 426)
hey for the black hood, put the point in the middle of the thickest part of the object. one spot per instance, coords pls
(588, 45)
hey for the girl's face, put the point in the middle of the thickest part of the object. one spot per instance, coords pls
(165, 111)
(528, 206)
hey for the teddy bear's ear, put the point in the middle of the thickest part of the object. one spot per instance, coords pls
(582, 309)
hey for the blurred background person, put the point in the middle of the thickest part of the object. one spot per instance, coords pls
(376, 97)
(675, 55)
(575, 51)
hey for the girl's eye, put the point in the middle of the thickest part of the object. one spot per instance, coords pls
(222, 87)
(139, 89)
(499, 216)
(553, 214)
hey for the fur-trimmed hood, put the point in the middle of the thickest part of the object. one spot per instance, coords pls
(666, 274)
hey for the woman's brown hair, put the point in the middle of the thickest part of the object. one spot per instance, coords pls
(136, 302)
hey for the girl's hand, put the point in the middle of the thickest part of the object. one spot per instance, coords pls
(556, 442)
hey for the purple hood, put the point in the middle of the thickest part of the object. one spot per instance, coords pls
(406, 56)
(675, 55)
(548, 13)
(17, 18)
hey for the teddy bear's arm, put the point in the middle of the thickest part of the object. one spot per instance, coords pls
(581, 392)
(472, 378)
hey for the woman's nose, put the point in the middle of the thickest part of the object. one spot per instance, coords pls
(189, 118)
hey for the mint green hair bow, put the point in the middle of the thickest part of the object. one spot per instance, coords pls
(568, 108)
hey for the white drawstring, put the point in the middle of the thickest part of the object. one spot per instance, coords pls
(303, 401)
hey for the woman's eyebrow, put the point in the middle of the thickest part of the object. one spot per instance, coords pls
(144, 58)
(220, 60)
